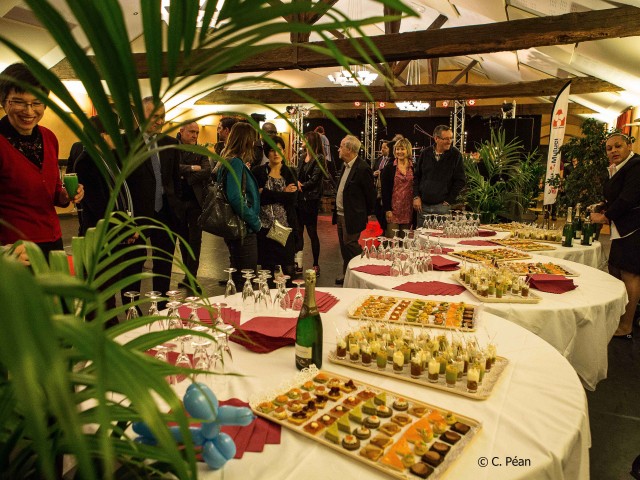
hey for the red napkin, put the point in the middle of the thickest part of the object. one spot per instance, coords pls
(477, 243)
(487, 233)
(431, 288)
(325, 301)
(384, 270)
(266, 334)
(444, 264)
(551, 283)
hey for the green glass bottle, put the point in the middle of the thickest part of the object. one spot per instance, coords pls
(588, 229)
(577, 224)
(567, 231)
(309, 327)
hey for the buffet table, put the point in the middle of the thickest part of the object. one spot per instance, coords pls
(579, 323)
(537, 411)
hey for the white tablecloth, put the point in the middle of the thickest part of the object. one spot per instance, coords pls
(579, 323)
(537, 411)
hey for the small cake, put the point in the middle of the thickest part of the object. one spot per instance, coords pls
(383, 411)
(298, 418)
(401, 419)
(369, 408)
(351, 401)
(418, 410)
(339, 410)
(334, 393)
(326, 420)
(280, 413)
(321, 401)
(334, 382)
(365, 394)
(294, 406)
(321, 390)
(356, 414)
(408, 460)
(305, 397)
(332, 434)
(432, 458)
(400, 404)
(421, 470)
(309, 385)
(280, 400)
(439, 428)
(313, 427)
(461, 428)
(420, 448)
(435, 416)
(389, 429)
(392, 459)
(350, 442)
(294, 393)
(450, 437)
(450, 418)
(441, 448)
(321, 378)
(362, 432)
(310, 407)
(372, 421)
(266, 407)
(348, 386)
(380, 399)
(381, 441)
(371, 452)
(344, 425)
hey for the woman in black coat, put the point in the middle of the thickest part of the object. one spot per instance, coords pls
(278, 188)
(622, 211)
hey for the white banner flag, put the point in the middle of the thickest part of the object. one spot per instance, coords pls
(559, 116)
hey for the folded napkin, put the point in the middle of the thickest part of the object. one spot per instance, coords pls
(431, 288)
(444, 264)
(487, 233)
(477, 243)
(551, 283)
(325, 301)
(266, 334)
(384, 270)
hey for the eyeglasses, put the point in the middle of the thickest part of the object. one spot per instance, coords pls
(22, 105)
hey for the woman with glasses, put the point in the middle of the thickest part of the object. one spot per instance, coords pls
(30, 185)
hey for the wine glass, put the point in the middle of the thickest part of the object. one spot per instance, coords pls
(153, 309)
(248, 296)
(201, 356)
(437, 250)
(183, 360)
(285, 303)
(194, 319)
(162, 354)
(266, 291)
(132, 311)
(259, 302)
(381, 251)
(297, 299)
(365, 250)
(174, 321)
(70, 181)
(217, 310)
(230, 289)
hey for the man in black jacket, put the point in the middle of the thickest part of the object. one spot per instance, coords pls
(438, 177)
(355, 200)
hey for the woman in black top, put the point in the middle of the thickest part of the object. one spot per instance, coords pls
(278, 188)
(622, 211)
(311, 172)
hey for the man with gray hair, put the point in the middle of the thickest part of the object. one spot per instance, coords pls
(355, 200)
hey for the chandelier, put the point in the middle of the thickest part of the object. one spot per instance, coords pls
(413, 78)
(358, 75)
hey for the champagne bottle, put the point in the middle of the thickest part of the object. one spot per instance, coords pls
(588, 230)
(567, 231)
(309, 327)
(577, 224)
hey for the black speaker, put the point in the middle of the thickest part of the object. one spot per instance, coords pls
(522, 129)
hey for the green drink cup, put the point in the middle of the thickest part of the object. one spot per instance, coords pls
(70, 181)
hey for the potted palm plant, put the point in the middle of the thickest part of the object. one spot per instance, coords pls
(67, 386)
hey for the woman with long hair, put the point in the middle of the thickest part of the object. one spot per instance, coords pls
(278, 196)
(311, 173)
(243, 253)
(397, 188)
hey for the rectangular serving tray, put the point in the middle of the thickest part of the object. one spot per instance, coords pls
(507, 298)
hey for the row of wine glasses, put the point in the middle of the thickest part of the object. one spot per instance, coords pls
(455, 224)
(388, 248)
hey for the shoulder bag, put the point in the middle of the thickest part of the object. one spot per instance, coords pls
(278, 232)
(218, 216)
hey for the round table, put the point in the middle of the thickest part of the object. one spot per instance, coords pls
(579, 323)
(537, 411)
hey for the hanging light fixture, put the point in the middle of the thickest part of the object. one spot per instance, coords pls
(358, 75)
(413, 78)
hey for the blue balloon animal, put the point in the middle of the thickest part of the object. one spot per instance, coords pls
(217, 448)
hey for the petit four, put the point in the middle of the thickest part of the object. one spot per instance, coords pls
(432, 458)
(371, 452)
(461, 428)
(344, 425)
(389, 429)
(298, 418)
(348, 386)
(366, 394)
(266, 407)
(351, 401)
(313, 427)
(383, 411)
(356, 414)
(418, 410)
(334, 393)
(338, 410)
(326, 420)
(450, 437)
(362, 432)
(280, 400)
(380, 399)
(441, 448)
(332, 434)
(421, 470)
(400, 404)
(368, 407)
(321, 378)
(372, 421)
(401, 419)
(280, 413)
(381, 441)
(350, 442)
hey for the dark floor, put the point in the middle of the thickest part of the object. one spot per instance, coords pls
(614, 408)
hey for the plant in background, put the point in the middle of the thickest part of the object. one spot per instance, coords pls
(502, 179)
(67, 386)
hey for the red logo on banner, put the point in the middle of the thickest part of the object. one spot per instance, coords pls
(559, 119)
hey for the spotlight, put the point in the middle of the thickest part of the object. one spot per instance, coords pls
(291, 110)
(259, 117)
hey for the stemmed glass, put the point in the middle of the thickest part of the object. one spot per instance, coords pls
(298, 299)
(381, 251)
(248, 296)
(285, 303)
(162, 354)
(230, 289)
(437, 250)
(266, 291)
(365, 250)
(132, 311)
(194, 319)
(153, 309)
(259, 301)
(201, 356)
(183, 360)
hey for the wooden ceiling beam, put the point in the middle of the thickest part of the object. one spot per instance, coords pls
(458, 41)
(466, 70)
(430, 93)
(401, 66)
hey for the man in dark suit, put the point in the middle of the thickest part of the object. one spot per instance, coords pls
(194, 177)
(155, 187)
(355, 200)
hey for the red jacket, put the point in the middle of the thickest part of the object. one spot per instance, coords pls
(28, 195)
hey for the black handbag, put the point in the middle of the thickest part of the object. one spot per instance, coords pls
(218, 216)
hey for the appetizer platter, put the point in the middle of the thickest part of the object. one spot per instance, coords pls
(490, 255)
(524, 245)
(403, 437)
(435, 361)
(515, 293)
(420, 312)
(550, 268)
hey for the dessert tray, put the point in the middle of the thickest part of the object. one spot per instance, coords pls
(507, 296)
(489, 380)
(405, 438)
(550, 268)
(524, 245)
(420, 312)
(490, 255)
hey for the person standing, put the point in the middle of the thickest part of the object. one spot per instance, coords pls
(378, 165)
(328, 158)
(195, 170)
(355, 200)
(621, 210)
(397, 189)
(311, 173)
(30, 185)
(224, 128)
(439, 175)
